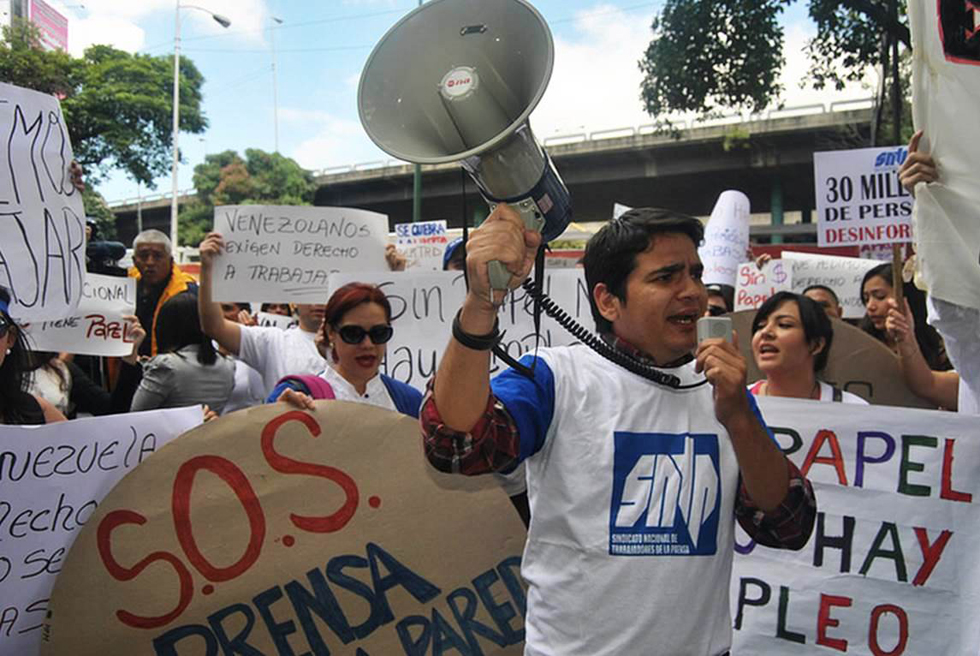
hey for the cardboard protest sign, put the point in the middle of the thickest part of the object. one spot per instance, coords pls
(754, 285)
(945, 84)
(858, 363)
(859, 197)
(423, 244)
(274, 530)
(276, 320)
(286, 253)
(726, 238)
(842, 274)
(423, 306)
(42, 221)
(891, 566)
(52, 480)
(97, 326)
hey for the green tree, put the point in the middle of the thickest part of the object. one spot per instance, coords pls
(226, 179)
(118, 106)
(711, 55)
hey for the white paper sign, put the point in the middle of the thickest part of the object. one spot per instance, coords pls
(42, 221)
(892, 565)
(945, 84)
(53, 478)
(755, 286)
(280, 321)
(423, 306)
(423, 244)
(859, 197)
(726, 239)
(97, 327)
(619, 210)
(286, 253)
(842, 274)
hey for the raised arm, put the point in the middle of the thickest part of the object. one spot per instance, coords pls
(939, 387)
(213, 323)
(462, 383)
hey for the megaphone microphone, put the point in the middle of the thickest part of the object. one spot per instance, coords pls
(456, 80)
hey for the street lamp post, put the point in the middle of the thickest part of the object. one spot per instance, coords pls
(275, 84)
(223, 22)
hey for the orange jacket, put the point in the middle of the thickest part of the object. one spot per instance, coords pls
(179, 282)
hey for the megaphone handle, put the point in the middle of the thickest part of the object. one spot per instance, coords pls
(533, 220)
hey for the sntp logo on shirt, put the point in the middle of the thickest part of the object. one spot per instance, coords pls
(666, 495)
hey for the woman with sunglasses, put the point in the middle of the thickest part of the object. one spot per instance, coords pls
(356, 328)
(17, 406)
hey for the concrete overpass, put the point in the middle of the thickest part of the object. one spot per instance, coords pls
(769, 158)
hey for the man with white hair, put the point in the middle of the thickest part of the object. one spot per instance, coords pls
(158, 279)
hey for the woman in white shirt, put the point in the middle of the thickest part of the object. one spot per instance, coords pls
(791, 339)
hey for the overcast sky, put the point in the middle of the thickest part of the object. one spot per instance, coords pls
(321, 47)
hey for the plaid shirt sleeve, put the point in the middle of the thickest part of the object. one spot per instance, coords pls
(789, 525)
(492, 445)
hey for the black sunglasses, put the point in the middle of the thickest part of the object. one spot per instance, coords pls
(353, 334)
(716, 310)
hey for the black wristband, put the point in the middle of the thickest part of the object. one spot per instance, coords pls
(476, 342)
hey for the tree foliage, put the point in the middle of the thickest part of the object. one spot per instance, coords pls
(710, 55)
(226, 179)
(118, 106)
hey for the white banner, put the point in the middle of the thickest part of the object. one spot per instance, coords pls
(280, 321)
(892, 564)
(286, 253)
(726, 238)
(859, 197)
(423, 244)
(842, 274)
(52, 479)
(42, 221)
(97, 327)
(945, 84)
(423, 306)
(754, 286)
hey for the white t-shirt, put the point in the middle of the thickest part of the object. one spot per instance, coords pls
(632, 488)
(826, 393)
(275, 353)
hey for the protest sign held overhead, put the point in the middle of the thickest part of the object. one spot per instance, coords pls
(42, 221)
(53, 479)
(280, 321)
(859, 197)
(726, 239)
(97, 327)
(754, 285)
(286, 253)
(945, 87)
(892, 564)
(239, 533)
(423, 244)
(842, 274)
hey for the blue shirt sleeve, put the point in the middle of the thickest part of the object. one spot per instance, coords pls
(529, 401)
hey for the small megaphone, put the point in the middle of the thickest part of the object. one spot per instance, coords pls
(455, 80)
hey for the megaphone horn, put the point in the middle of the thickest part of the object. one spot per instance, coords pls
(456, 80)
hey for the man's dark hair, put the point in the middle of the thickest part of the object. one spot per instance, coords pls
(610, 255)
(825, 288)
(816, 324)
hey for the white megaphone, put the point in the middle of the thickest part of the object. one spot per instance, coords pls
(455, 80)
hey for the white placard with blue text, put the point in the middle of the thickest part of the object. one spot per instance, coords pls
(422, 244)
(52, 479)
(284, 253)
(42, 221)
(859, 197)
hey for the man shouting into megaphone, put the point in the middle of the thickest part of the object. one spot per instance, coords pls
(633, 478)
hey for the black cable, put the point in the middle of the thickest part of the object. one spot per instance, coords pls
(596, 344)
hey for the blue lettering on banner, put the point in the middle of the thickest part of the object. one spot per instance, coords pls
(666, 495)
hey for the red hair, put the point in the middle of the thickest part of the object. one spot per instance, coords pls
(347, 298)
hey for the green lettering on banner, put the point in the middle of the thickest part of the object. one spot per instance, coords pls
(907, 465)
